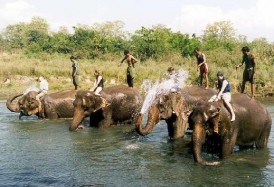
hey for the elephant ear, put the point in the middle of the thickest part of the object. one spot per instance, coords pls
(99, 103)
(213, 112)
(178, 104)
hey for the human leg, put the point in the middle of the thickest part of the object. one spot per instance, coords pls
(252, 90)
(243, 86)
(206, 77)
(201, 79)
(129, 81)
(75, 82)
(98, 90)
(227, 99)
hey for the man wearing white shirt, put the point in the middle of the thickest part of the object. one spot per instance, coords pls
(98, 83)
(44, 86)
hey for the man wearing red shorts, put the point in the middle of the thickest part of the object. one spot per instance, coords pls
(202, 66)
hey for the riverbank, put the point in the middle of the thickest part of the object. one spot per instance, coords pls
(18, 84)
(18, 72)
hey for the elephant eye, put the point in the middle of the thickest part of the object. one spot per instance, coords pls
(162, 107)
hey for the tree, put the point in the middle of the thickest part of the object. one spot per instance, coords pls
(219, 34)
(15, 35)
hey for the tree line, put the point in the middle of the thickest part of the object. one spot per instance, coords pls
(91, 42)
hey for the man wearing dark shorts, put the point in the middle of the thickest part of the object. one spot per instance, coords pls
(131, 60)
(75, 72)
(249, 71)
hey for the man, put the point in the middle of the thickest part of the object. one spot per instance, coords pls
(43, 86)
(202, 66)
(249, 73)
(98, 83)
(224, 93)
(75, 72)
(131, 60)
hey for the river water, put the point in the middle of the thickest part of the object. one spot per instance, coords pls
(44, 153)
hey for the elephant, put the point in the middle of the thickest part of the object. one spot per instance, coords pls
(174, 108)
(251, 127)
(116, 104)
(54, 105)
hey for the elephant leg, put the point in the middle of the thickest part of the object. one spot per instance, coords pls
(176, 127)
(106, 121)
(228, 144)
(263, 140)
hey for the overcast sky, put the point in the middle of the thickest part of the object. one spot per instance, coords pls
(252, 18)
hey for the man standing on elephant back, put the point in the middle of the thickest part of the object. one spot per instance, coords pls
(75, 72)
(249, 71)
(131, 60)
(202, 66)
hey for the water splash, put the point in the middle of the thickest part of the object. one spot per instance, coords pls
(32, 87)
(163, 86)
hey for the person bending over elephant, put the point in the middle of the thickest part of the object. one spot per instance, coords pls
(53, 105)
(116, 104)
(251, 127)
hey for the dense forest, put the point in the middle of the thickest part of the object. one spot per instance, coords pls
(156, 45)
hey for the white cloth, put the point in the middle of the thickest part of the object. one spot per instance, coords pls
(225, 96)
(98, 90)
(44, 85)
(97, 81)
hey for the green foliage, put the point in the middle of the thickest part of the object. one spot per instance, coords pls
(102, 44)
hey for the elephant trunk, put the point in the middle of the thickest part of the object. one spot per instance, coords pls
(78, 117)
(13, 107)
(153, 119)
(198, 138)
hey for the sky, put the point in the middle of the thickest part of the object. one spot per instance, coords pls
(251, 18)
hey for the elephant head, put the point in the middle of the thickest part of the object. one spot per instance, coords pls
(85, 104)
(203, 119)
(169, 108)
(26, 105)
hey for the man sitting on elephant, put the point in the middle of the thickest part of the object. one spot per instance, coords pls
(43, 90)
(224, 93)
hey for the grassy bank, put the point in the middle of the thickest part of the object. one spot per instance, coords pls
(19, 72)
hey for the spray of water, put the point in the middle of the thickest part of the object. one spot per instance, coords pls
(31, 87)
(164, 86)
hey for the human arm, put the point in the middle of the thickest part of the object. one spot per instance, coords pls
(241, 64)
(204, 60)
(254, 65)
(133, 59)
(123, 60)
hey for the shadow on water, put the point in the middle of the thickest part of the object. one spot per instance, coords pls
(44, 153)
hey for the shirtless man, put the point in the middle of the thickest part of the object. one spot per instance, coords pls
(131, 60)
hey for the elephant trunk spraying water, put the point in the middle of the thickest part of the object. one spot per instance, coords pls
(174, 108)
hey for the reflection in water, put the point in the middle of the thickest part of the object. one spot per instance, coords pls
(44, 153)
